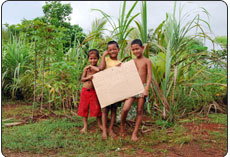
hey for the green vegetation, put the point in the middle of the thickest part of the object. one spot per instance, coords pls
(43, 59)
(63, 135)
(218, 118)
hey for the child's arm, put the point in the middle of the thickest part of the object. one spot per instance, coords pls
(149, 78)
(84, 76)
(119, 64)
(103, 63)
(94, 68)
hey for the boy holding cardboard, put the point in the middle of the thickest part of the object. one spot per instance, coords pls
(144, 68)
(107, 62)
(88, 97)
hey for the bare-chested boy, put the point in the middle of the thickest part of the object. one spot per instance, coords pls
(144, 67)
(88, 97)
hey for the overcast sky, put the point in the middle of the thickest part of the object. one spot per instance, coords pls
(14, 11)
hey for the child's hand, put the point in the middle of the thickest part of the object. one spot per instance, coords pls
(118, 64)
(145, 93)
(105, 53)
(95, 68)
(88, 67)
(90, 77)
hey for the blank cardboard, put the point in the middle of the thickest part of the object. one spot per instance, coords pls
(117, 83)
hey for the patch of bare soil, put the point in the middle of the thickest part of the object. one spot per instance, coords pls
(196, 128)
(186, 150)
(194, 149)
(10, 153)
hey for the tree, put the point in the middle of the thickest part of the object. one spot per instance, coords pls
(58, 14)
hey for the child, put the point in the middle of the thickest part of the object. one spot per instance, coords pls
(144, 68)
(107, 62)
(88, 94)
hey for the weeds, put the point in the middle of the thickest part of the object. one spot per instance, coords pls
(63, 136)
(219, 137)
(218, 118)
(60, 134)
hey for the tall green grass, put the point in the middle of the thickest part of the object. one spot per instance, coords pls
(180, 66)
(15, 63)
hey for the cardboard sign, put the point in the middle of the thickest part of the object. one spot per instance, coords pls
(117, 83)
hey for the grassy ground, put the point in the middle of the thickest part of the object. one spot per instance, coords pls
(60, 136)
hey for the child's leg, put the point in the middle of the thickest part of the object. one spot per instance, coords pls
(113, 117)
(104, 122)
(124, 113)
(99, 122)
(84, 129)
(140, 109)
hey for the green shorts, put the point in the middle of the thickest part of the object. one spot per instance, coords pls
(139, 96)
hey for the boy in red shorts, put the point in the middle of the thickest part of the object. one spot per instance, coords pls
(88, 95)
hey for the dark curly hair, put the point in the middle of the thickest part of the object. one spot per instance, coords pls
(112, 42)
(137, 41)
(93, 51)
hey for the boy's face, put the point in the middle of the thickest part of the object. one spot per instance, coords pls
(93, 59)
(137, 50)
(113, 50)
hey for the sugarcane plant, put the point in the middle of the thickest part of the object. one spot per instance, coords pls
(121, 31)
(172, 65)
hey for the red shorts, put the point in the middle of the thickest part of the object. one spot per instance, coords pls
(88, 99)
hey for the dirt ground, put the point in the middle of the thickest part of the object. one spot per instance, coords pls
(191, 149)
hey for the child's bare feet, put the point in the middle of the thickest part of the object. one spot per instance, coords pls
(99, 123)
(111, 133)
(100, 126)
(134, 138)
(83, 130)
(104, 135)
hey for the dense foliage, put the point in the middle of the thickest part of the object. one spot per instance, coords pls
(43, 59)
